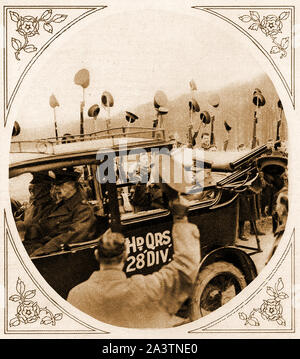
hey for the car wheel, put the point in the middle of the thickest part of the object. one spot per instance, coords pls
(215, 285)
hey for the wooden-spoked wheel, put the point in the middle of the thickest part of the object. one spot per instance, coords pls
(215, 285)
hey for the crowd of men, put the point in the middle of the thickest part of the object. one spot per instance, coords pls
(261, 201)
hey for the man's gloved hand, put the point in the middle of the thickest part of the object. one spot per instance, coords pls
(53, 245)
(33, 232)
(38, 252)
(179, 207)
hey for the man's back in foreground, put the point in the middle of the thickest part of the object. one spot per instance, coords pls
(149, 301)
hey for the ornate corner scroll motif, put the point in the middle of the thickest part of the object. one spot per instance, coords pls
(28, 310)
(271, 309)
(23, 46)
(29, 26)
(270, 29)
(271, 26)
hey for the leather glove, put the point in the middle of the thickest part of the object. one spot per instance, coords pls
(33, 232)
(38, 252)
(179, 207)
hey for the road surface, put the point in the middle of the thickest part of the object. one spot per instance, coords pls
(266, 242)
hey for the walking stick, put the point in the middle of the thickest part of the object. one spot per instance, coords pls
(82, 78)
(54, 103)
(279, 104)
(259, 101)
(193, 107)
(214, 101)
(107, 102)
(160, 101)
(227, 129)
(93, 112)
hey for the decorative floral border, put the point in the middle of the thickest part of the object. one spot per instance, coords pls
(29, 311)
(271, 309)
(271, 26)
(28, 26)
(15, 300)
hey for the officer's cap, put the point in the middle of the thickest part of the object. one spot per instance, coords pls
(66, 175)
(41, 178)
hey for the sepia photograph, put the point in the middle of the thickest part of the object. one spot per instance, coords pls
(148, 162)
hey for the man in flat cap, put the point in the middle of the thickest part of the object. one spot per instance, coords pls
(71, 218)
(141, 301)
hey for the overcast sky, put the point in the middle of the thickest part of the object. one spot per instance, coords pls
(132, 55)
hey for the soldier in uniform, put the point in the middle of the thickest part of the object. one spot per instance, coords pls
(40, 204)
(71, 219)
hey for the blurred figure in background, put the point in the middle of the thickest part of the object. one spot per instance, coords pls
(267, 194)
(279, 182)
(280, 205)
(275, 173)
(248, 209)
(147, 194)
(283, 148)
(40, 204)
(205, 141)
(241, 147)
(281, 214)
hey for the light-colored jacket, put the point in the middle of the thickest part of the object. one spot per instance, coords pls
(144, 301)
